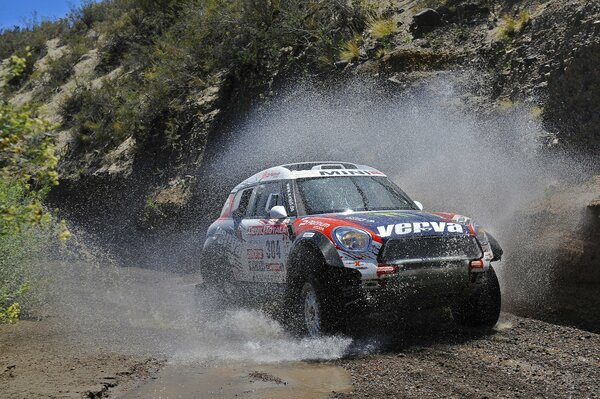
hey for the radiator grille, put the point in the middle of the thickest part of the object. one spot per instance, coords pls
(430, 248)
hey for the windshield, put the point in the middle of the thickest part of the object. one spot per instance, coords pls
(352, 193)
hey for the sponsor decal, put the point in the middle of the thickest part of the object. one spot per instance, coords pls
(229, 241)
(254, 254)
(314, 223)
(419, 227)
(259, 266)
(309, 234)
(264, 230)
(256, 266)
(269, 174)
(290, 197)
(461, 219)
(274, 267)
(350, 172)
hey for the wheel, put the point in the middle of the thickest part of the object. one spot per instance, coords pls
(218, 283)
(314, 304)
(321, 313)
(312, 310)
(482, 307)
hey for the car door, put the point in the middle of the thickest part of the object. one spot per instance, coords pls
(233, 241)
(266, 240)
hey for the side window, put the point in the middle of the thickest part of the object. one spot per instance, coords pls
(228, 207)
(266, 194)
(242, 200)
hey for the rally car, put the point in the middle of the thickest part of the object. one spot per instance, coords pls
(334, 239)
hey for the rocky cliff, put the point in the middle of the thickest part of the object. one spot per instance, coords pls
(147, 98)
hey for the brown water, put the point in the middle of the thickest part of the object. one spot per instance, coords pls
(290, 380)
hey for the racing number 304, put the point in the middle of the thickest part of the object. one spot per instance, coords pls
(273, 249)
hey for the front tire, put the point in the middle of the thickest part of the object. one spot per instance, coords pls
(321, 313)
(482, 308)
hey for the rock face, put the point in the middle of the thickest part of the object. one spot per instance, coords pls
(553, 61)
(549, 62)
(573, 92)
(425, 21)
(559, 251)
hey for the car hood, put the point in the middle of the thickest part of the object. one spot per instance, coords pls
(385, 225)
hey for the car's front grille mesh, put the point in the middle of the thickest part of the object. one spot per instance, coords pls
(432, 247)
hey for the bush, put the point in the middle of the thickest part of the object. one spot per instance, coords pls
(27, 171)
(60, 69)
(170, 50)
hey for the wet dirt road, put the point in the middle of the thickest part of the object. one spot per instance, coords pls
(120, 337)
(521, 358)
(295, 380)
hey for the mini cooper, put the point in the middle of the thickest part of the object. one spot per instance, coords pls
(333, 240)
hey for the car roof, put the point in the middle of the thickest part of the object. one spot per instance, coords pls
(309, 170)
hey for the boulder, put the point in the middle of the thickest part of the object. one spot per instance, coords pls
(425, 21)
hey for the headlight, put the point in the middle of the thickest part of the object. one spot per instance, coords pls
(352, 239)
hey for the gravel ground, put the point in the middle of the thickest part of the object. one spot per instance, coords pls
(522, 358)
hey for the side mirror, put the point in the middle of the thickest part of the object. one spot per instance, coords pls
(278, 212)
(419, 205)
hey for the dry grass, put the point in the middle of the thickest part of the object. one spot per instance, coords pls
(351, 50)
(512, 26)
(382, 28)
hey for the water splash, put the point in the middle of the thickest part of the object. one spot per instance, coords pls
(438, 150)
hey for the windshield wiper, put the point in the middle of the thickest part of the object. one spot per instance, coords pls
(362, 194)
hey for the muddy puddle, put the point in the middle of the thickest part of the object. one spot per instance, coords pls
(289, 380)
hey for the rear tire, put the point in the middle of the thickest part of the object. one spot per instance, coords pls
(217, 281)
(482, 308)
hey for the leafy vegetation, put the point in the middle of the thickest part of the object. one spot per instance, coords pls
(27, 171)
(156, 59)
(170, 51)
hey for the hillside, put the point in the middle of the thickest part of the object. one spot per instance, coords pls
(149, 95)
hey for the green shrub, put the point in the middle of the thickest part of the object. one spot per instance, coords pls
(27, 172)
(169, 50)
(60, 69)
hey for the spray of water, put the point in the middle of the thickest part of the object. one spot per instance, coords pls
(441, 153)
(486, 163)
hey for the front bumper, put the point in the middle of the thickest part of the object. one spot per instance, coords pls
(417, 286)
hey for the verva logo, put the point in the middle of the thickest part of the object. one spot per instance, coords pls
(419, 227)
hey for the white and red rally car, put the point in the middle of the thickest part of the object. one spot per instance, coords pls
(334, 239)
